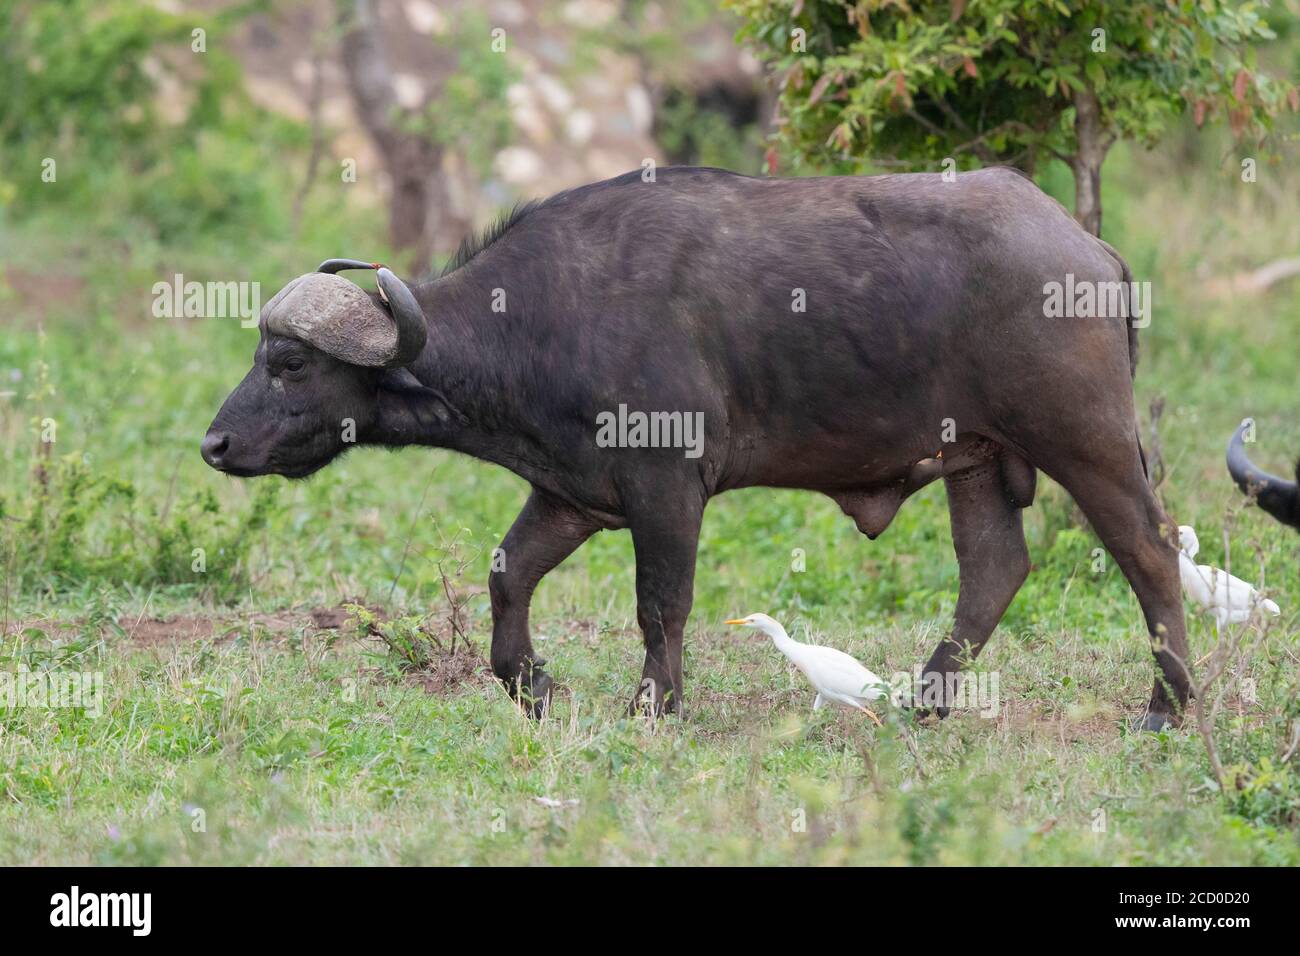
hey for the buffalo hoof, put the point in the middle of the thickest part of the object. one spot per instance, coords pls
(533, 692)
(921, 713)
(1155, 721)
(929, 715)
(650, 702)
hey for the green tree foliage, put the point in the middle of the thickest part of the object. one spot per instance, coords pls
(84, 83)
(889, 83)
(90, 81)
(470, 114)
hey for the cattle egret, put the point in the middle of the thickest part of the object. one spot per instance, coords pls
(836, 677)
(1230, 598)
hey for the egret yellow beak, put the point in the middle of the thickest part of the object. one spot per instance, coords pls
(737, 621)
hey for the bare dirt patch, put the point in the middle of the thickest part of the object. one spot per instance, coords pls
(332, 618)
(1091, 725)
(189, 628)
(35, 295)
(451, 672)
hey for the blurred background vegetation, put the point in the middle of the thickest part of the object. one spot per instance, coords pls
(230, 141)
(249, 141)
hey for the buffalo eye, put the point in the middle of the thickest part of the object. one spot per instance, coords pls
(294, 364)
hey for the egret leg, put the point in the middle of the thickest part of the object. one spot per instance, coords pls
(546, 532)
(818, 703)
(866, 710)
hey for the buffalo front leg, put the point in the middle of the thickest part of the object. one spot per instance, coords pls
(989, 538)
(546, 532)
(664, 539)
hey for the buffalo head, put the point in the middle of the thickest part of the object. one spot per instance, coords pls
(1277, 496)
(315, 377)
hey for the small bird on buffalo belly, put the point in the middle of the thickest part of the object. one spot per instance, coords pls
(1231, 599)
(836, 676)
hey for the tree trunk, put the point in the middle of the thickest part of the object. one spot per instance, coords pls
(1093, 143)
(412, 160)
(314, 98)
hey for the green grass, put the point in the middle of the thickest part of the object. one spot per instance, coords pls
(306, 746)
(294, 753)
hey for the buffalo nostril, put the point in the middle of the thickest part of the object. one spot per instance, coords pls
(214, 446)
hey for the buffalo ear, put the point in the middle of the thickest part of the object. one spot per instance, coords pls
(401, 380)
(402, 384)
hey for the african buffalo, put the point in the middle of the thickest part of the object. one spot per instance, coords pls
(1276, 496)
(855, 336)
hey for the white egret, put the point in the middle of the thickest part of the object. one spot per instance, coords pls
(836, 676)
(1230, 598)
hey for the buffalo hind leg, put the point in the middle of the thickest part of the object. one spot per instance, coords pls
(1138, 534)
(546, 532)
(989, 538)
(665, 537)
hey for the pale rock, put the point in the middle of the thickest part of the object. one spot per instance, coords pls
(579, 127)
(425, 18)
(303, 72)
(553, 93)
(526, 114)
(640, 109)
(749, 64)
(590, 13)
(509, 12)
(518, 165)
(409, 91)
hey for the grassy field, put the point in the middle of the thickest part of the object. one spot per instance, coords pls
(235, 730)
